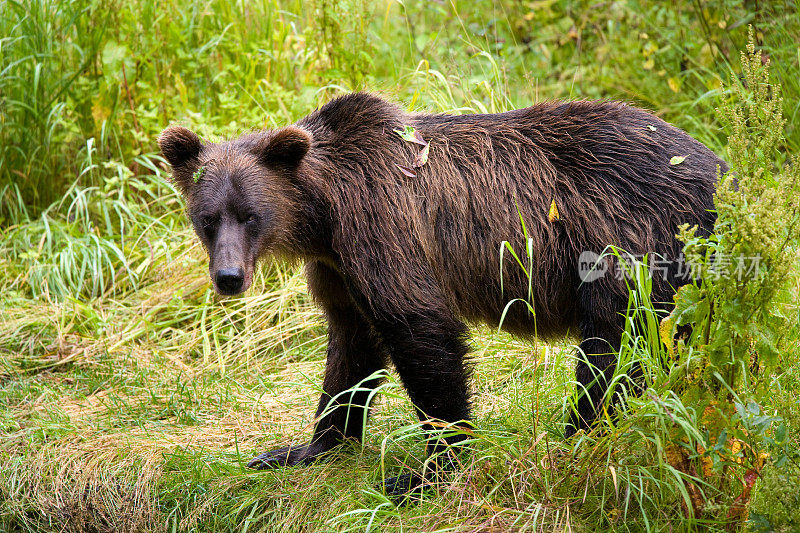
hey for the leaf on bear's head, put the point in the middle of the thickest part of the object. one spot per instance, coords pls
(553, 215)
(677, 159)
(198, 174)
(409, 134)
(422, 157)
(407, 172)
(651, 127)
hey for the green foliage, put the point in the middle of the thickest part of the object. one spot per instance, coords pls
(782, 513)
(45, 52)
(737, 305)
(96, 241)
(198, 174)
(119, 75)
(340, 39)
(701, 433)
(744, 265)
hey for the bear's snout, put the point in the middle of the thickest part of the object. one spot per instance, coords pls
(230, 280)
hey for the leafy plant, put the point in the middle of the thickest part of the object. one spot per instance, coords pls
(735, 307)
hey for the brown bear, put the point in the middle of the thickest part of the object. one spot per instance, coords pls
(400, 260)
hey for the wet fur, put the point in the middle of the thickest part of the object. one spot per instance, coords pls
(400, 265)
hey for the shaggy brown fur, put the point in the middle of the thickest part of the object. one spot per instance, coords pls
(400, 264)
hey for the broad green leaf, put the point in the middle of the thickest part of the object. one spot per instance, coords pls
(409, 134)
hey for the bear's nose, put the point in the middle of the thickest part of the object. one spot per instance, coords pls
(230, 280)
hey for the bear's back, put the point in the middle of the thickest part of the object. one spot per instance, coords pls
(605, 167)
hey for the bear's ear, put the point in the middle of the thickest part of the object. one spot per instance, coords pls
(286, 147)
(179, 145)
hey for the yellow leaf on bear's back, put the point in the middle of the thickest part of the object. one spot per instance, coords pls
(553, 214)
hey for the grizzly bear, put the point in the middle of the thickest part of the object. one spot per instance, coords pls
(401, 252)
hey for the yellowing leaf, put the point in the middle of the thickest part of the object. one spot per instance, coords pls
(651, 127)
(422, 157)
(677, 159)
(736, 448)
(649, 64)
(665, 332)
(414, 99)
(183, 93)
(553, 214)
(614, 478)
(708, 466)
(674, 84)
(409, 173)
(100, 112)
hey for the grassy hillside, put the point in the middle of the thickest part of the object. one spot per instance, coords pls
(131, 396)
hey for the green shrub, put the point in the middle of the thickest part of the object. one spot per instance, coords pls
(736, 306)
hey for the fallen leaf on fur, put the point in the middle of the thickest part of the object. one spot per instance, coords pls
(553, 214)
(651, 127)
(408, 133)
(422, 157)
(677, 159)
(409, 173)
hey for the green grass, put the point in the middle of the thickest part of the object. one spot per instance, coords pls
(131, 396)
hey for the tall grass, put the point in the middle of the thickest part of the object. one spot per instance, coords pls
(79, 69)
(45, 48)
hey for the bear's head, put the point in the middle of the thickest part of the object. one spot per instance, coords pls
(239, 195)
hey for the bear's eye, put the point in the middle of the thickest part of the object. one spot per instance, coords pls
(208, 226)
(251, 219)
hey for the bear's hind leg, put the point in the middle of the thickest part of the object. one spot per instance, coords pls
(602, 316)
(594, 370)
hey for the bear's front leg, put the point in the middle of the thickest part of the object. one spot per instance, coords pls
(428, 351)
(354, 357)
